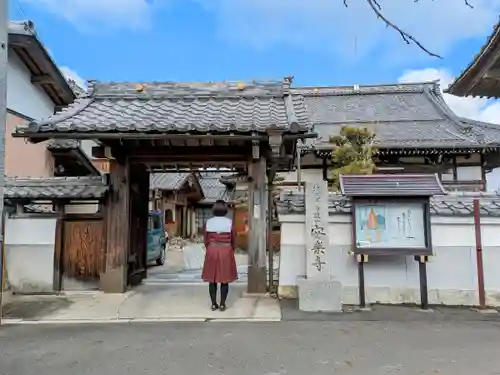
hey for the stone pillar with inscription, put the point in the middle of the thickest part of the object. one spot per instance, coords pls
(320, 290)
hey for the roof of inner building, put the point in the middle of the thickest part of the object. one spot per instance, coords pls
(410, 115)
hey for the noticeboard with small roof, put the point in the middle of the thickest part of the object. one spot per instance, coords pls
(391, 213)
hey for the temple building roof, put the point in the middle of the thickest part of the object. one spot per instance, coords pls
(482, 76)
(412, 115)
(169, 107)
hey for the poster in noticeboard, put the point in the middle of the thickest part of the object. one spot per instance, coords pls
(390, 226)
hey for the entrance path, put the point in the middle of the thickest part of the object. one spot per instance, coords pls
(184, 266)
(144, 303)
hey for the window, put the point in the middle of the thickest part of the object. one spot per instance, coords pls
(156, 222)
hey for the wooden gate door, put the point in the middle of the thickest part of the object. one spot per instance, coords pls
(83, 253)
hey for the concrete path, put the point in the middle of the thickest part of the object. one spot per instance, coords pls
(185, 266)
(172, 292)
(144, 303)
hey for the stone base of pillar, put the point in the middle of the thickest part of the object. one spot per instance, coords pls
(319, 295)
(257, 280)
(114, 280)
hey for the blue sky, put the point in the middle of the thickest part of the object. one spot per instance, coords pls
(320, 42)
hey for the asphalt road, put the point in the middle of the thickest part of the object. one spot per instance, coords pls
(293, 348)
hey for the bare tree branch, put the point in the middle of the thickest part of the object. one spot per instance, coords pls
(407, 38)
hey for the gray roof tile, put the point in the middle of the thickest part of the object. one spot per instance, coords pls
(423, 185)
(179, 108)
(402, 115)
(291, 203)
(55, 188)
(167, 181)
(484, 131)
(213, 188)
(63, 144)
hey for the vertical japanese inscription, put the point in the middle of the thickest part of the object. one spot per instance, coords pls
(317, 230)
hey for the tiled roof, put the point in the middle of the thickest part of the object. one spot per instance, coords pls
(213, 188)
(63, 144)
(170, 107)
(72, 145)
(384, 185)
(38, 208)
(486, 132)
(167, 181)
(74, 86)
(292, 203)
(472, 80)
(55, 188)
(410, 115)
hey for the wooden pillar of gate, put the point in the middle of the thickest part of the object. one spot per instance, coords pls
(139, 185)
(257, 204)
(114, 278)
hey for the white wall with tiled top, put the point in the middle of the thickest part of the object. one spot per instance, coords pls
(452, 272)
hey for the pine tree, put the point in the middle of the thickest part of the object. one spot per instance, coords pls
(352, 153)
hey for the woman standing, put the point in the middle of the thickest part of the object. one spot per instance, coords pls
(220, 265)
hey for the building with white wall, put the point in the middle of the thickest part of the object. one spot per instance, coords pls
(37, 89)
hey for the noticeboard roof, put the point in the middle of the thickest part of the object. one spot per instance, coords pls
(383, 185)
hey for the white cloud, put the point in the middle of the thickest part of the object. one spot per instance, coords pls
(71, 74)
(94, 15)
(473, 108)
(329, 25)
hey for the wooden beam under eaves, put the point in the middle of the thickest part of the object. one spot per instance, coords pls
(42, 79)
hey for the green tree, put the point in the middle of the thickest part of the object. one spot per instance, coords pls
(352, 153)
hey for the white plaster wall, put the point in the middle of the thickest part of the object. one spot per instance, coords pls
(87, 208)
(86, 146)
(293, 259)
(452, 272)
(305, 175)
(29, 246)
(22, 96)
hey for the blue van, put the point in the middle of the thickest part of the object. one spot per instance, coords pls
(157, 238)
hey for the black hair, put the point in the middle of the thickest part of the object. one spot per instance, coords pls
(219, 208)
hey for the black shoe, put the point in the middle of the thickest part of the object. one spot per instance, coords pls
(222, 308)
(215, 307)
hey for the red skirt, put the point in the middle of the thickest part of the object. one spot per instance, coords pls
(219, 265)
